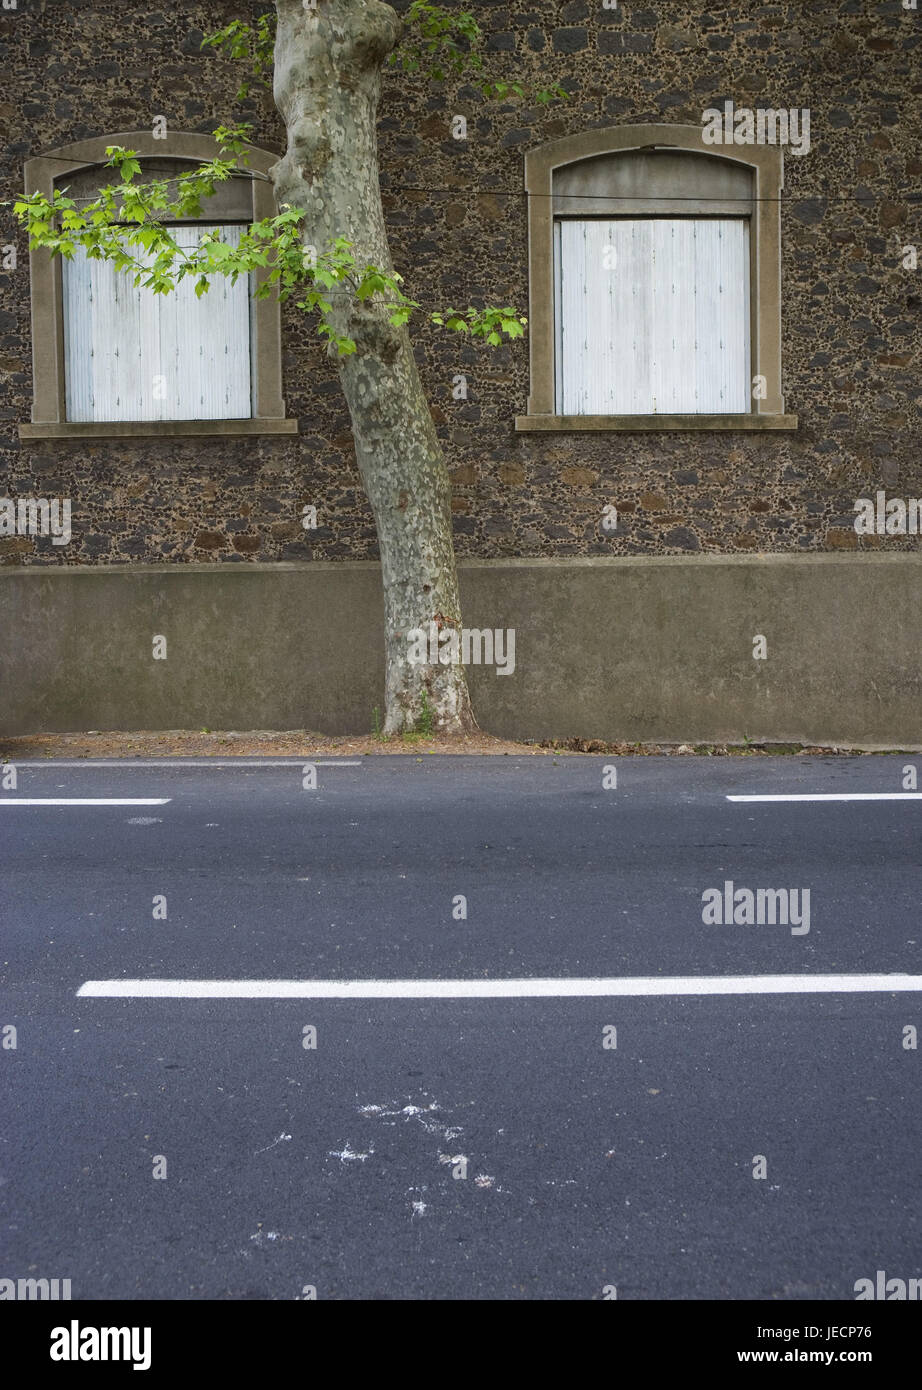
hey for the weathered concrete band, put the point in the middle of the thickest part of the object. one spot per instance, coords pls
(655, 649)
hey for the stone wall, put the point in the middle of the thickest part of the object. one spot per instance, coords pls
(852, 314)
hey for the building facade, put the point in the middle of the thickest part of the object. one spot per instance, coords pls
(715, 241)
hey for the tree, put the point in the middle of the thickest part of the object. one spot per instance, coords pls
(328, 246)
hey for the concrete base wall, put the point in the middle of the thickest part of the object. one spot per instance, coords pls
(634, 649)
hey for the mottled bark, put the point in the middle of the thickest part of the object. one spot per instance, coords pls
(328, 61)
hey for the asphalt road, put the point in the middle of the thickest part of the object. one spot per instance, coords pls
(339, 1167)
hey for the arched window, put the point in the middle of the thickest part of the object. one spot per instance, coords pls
(110, 358)
(654, 283)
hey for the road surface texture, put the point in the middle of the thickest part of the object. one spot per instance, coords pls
(541, 1144)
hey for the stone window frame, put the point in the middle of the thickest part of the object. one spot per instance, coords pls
(49, 412)
(767, 167)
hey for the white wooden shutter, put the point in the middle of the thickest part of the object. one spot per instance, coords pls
(130, 354)
(652, 316)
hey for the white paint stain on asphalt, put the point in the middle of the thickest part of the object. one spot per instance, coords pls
(424, 1115)
(281, 1139)
(348, 1155)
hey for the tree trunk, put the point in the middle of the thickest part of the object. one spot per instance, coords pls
(327, 82)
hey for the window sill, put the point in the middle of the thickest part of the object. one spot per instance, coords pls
(646, 423)
(115, 429)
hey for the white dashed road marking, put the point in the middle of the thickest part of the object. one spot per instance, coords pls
(84, 800)
(637, 987)
(835, 796)
(27, 765)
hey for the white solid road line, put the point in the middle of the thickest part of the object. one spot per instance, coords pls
(640, 986)
(84, 800)
(835, 796)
